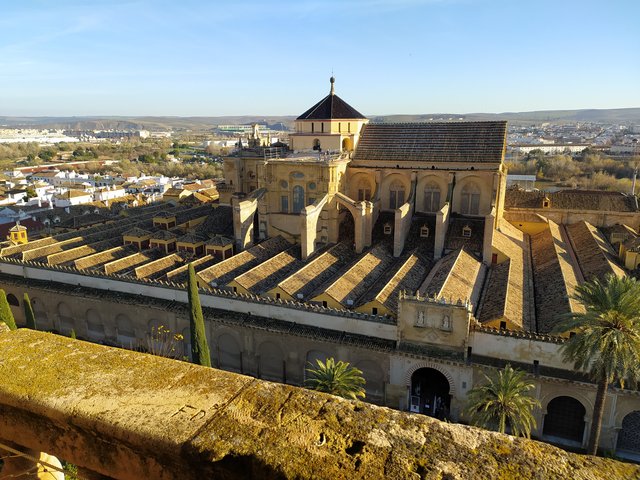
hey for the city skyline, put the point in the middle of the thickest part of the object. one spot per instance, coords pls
(251, 58)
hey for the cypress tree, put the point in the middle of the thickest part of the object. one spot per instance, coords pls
(199, 346)
(28, 312)
(72, 334)
(5, 312)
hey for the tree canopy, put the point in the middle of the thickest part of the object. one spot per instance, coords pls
(606, 340)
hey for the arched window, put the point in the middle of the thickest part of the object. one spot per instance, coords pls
(431, 197)
(470, 199)
(12, 299)
(364, 190)
(298, 199)
(316, 144)
(396, 195)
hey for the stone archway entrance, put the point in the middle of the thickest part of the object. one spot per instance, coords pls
(430, 393)
(347, 145)
(564, 421)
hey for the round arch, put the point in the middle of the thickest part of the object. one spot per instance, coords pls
(125, 331)
(472, 195)
(347, 144)
(271, 361)
(229, 353)
(95, 327)
(311, 358)
(362, 186)
(12, 300)
(629, 436)
(40, 312)
(430, 393)
(65, 318)
(564, 420)
(435, 366)
(431, 183)
(397, 183)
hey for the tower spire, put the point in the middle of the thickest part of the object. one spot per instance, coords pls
(332, 80)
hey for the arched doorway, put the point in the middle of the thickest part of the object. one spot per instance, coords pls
(430, 393)
(347, 145)
(564, 421)
(629, 437)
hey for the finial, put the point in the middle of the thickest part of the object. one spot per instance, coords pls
(332, 80)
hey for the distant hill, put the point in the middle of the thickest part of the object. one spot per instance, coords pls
(614, 115)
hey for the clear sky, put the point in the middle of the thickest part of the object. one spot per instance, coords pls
(208, 58)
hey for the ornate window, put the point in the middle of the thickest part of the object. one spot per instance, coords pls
(298, 199)
(431, 197)
(466, 231)
(424, 231)
(470, 199)
(396, 195)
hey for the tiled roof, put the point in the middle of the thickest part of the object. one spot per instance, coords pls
(594, 200)
(180, 274)
(457, 276)
(468, 142)
(218, 222)
(407, 276)
(225, 271)
(126, 265)
(595, 256)
(191, 238)
(219, 241)
(163, 235)
(267, 274)
(318, 271)
(329, 108)
(508, 292)
(100, 258)
(455, 240)
(348, 288)
(136, 232)
(554, 278)
(158, 267)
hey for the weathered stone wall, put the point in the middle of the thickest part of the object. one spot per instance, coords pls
(130, 415)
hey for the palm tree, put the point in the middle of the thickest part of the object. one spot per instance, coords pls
(607, 338)
(336, 378)
(503, 402)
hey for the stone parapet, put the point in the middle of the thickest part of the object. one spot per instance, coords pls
(128, 415)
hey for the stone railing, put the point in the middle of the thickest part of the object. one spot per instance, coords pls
(128, 415)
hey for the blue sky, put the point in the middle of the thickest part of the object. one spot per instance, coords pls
(240, 57)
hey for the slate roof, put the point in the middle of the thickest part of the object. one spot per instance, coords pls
(433, 142)
(594, 200)
(331, 107)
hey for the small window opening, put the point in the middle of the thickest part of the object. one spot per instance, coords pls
(503, 325)
(466, 231)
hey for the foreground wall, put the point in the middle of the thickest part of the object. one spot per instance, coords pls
(130, 415)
